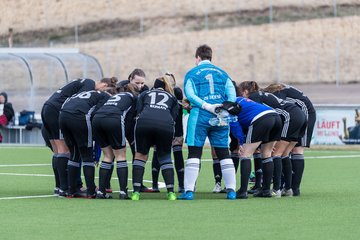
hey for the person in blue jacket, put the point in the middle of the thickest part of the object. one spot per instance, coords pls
(257, 125)
(206, 86)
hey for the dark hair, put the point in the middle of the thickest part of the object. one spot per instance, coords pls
(130, 87)
(111, 82)
(204, 52)
(137, 71)
(251, 86)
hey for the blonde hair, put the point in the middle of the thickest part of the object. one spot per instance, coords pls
(169, 82)
(274, 87)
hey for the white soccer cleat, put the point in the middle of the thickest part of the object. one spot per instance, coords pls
(217, 188)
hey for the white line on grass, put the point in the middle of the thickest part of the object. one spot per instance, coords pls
(25, 165)
(26, 197)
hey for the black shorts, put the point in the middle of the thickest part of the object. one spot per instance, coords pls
(50, 119)
(109, 131)
(294, 125)
(76, 129)
(306, 139)
(265, 129)
(158, 135)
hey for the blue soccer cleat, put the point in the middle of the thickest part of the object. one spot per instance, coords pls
(189, 195)
(231, 195)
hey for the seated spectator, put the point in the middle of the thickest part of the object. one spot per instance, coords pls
(6, 111)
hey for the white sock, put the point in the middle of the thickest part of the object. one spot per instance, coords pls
(191, 173)
(228, 172)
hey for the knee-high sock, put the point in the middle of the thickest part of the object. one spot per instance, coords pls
(56, 174)
(287, 171)
(179, 164)
(104, 173)
(277, 172)
(258, 169)
(245, 170)
(73, 169)
(108, 183)
(191, 173)
(268, 169)
(228, 172)
(89, 174)
(62, 168)
(236, 160)
(217, 170)
(298, 165)
(138, 174)
(122, 173)
(155, 168)
(167, 171)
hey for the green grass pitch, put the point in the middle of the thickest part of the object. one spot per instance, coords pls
(329, 206)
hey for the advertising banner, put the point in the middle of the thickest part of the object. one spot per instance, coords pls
(337, 125)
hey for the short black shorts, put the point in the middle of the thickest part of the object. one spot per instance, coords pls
(294, 127)
(265, 129)
(147, 135)
(109, 131)
(50, 119)
(76, 130)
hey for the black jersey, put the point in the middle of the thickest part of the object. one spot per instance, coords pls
(118, 106)
(157, 106)
(75, 86)
(85, 103)
(179, 121)
(269, 99)
(294, 95)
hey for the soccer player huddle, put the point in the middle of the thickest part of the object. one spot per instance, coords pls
(273, 125)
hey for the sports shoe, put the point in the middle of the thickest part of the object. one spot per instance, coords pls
(77, 194)
(145, 189)
(62, 193)
(287, 193)
(171, 196)
(189, 195)
(296, 192)
(241, 195)
(135, 196)
(263, 193)
(108, 190)
(253, 189)
(217, 188)
(223, 190)
(101, 195)
(56, 191)
(124, 195)
(155, 190)
(231, 195)
(276, 193)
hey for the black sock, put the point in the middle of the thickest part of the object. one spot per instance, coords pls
(89, 174)
(167, 171)
(108, 183)
(217, 170)
(298, 165)
(62, 168)
(245, 170)
(258, 170)
(287, 172)
(122, 173)
(56, 174)
(73, 169)
(138, 174)
(267, 169)
(179, 164)
(155, 168)
(277, 172)
(104, 173)
(236, 160)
